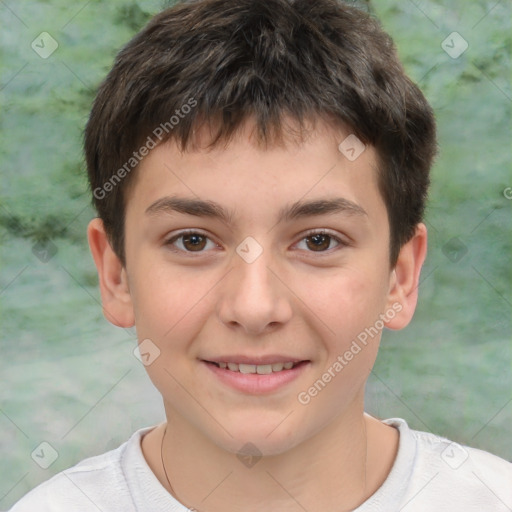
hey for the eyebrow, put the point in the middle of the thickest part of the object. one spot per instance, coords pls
(294, 211)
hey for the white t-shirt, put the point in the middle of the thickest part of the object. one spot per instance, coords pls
(430, 473)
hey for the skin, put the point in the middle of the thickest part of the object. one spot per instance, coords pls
(294, 299)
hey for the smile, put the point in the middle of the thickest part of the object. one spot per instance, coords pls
(255, 379)
(260, 369)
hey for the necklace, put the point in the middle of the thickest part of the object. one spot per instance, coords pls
(174, 492)
(163, 465)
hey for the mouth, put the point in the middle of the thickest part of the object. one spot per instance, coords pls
(260, 369)
(255, 377)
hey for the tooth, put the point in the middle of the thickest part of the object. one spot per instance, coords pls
(247, 368)
(261, 369)
(264, 369)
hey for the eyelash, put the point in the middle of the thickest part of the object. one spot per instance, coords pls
(311, 233)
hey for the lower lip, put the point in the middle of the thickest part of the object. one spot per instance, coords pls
(254, 383)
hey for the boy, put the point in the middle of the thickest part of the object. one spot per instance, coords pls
(260, 169)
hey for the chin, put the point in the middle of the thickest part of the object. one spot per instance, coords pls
(263, 438)
(257, 446)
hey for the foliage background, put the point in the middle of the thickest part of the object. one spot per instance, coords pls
(70, 378)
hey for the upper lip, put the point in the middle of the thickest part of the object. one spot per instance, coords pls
(256, 360)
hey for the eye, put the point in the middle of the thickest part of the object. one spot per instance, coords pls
(319, 241)
(195, 241)
(192, 241)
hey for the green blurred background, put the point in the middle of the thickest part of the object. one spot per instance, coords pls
(70, 378)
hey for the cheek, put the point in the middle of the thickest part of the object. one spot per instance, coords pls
(170, 309)
(347, 301)
(350, 306)
(165, 299)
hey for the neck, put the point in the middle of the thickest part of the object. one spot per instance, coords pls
(327, 471)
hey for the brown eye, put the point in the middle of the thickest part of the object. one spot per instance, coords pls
(319, 241)
(191, 241)
(194, 242)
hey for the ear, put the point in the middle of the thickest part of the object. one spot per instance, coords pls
(115, 293)
(404, 279)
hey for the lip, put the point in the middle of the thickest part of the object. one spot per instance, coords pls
(254, 383)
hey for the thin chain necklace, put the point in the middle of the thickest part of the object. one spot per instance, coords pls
(174, 492)
(163, 465)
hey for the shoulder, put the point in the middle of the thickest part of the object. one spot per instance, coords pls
(96, 483)
(455, 476)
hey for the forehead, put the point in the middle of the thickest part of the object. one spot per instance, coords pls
(243, 174)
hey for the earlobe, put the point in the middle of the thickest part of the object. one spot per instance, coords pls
(404, 279)
(113, 279)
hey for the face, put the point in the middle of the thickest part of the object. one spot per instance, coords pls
(268, 283)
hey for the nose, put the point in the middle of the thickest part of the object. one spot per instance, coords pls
(254, 297)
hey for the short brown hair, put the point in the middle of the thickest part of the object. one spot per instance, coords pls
(226, 60)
